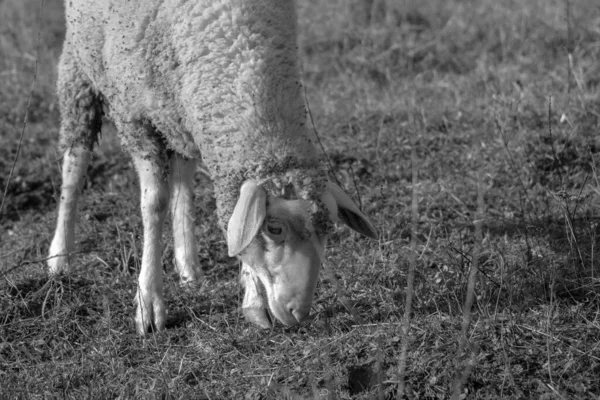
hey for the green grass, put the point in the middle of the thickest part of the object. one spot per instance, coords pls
(509, 89)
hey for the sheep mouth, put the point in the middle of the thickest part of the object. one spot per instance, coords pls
(269, 314)
(272, 312)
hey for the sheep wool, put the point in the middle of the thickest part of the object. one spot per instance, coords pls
(214, 79)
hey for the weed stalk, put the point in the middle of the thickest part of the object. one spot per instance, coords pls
(404, 332)
(464, 366)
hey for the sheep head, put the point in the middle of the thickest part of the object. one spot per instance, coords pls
(281, 248)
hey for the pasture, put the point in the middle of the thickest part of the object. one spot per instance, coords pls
(474, 113)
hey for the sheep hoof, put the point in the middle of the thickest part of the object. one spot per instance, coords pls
(151, 313)
(190, 277)
(57, 265)
(257, 316)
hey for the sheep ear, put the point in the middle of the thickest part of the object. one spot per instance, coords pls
(349, 213)
(247, 218)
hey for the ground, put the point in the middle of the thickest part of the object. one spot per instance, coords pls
(500, 102)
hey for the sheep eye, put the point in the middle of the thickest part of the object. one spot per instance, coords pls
(275, 230)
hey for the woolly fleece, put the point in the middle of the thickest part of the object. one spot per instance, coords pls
(212, 79)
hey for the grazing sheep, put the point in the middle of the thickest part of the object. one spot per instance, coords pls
(217, 80)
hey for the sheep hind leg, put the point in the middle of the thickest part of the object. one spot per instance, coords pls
(75, 164)
(151, 310)
(182, 210)
(81, 112)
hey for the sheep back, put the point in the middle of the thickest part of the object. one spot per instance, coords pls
(217, 79)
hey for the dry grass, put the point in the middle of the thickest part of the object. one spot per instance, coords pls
(508, 90)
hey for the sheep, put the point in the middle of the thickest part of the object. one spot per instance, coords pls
(216, 80)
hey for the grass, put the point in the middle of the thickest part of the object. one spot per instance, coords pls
(507, 91)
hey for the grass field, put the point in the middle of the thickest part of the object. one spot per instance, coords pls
(503, 96)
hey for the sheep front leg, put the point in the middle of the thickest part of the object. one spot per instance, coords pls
(75, 163)
(254, 305)
(182, 210)
(151, 311)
